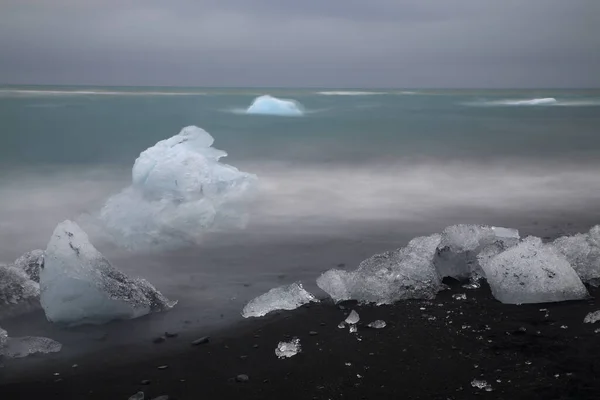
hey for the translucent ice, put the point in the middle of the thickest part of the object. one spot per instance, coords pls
(583, 252)
(406, 273)
(288, 349)
(18, 293)
(378, 324)
(287, 297)
(179, 191)
(78, 285)
(18, 347)
(269, 105)
(457, 252)
(352, 318)
(532, 272)
(31, 262)
(592, 317)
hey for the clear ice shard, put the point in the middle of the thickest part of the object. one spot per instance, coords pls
(533, 272)
(592, 317)
(179, 191)
(288, 349)
(78, 285)
(456, 255)
(406, 273)
(18, 347)
(269, 105)
(287, 297)
(583, 252)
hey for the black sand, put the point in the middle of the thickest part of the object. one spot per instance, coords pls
(429, 350)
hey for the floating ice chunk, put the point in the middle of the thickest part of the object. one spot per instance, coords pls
(288, 349)
(31, 262)
(583, 252)
(457, 252)
(592, 317)
(352, 318)
(179, 191)
(532, 272)
(269, 105)
(78, 285)
(23, 346)
(378, 324)
(287, 297)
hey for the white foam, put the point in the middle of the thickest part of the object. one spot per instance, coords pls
(269, 105)
(41, 92)
(352, 93)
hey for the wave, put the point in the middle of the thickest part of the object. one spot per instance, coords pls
(349, 93)
(546, 101)
(31, 92)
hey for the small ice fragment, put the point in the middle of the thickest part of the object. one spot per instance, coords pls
(564, 327)
(288, 349)
(348, 364)
(481, 384)
(287, 297)
(528, 362)
(597, 330)
(353, 318)
(353, 329)
(592, 317)
(459, 296)
(378, 324)
(342, 325)
(137, 396)
(359, 376)
(473, 283)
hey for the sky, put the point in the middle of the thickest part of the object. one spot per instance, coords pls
(302, 43)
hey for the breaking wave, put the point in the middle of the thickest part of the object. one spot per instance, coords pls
(545, 101)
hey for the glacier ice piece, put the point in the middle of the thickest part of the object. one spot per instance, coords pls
(18, 347)
(78, 285)
(18, 293)
(592, 317)
(378, 324)
(583, 252)
(532, 272)
(269, 105)
(287, 297)
(406, 273)
(352, 318)
(460, 245)
(179, 191)
(31, 262)
(288, 349)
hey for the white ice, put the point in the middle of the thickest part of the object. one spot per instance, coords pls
(269, 105)
(460, 245)
(179, 191)
(378, 324)
(352, 318)
(533, 272)
(406, 273)
(18, 293)
(78, 285)
(583, 252)
(592, 317)
(17, 347)
(287, 297)
(288, 349)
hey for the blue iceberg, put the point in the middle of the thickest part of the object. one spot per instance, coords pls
(269, 105)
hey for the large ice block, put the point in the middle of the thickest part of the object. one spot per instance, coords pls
(583, 252)
(78, 285)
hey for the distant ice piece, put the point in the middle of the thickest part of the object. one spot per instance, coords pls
(79, 286)
(406, 273)
(23, 346)
(457, 253)
(287, 297)
(179, 191)
(583, 252)
(269, 105)
(592, 317)
(532, 272)
(18, 293)
(288, 349)
(535, 102)
(31, 262)
(378, 324)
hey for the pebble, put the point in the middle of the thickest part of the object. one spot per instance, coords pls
(145, 382)
(202, 340)
(171, 334)
(313, 333)
(163, 367)
(159, 339)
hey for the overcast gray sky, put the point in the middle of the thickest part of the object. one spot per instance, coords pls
(326, 43)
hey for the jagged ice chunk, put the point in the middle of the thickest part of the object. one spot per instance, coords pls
(583, 252)
(23, 346)
(287, 297)
(269, 105)
(288, 349)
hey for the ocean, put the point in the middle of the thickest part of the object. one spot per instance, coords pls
(361, 171)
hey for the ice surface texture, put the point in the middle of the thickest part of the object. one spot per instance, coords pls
(31, 262)
(406, 273)
(282, 298)
(457, 252)
(23, 346)
(269, 105)
(15, 286)
(78, 285)
(288, 349)
(583, 252)
(179, 191)
(533, 272)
